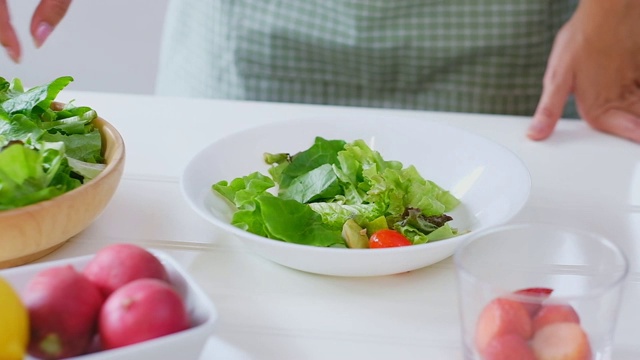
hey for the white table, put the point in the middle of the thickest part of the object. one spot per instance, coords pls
(580, 178)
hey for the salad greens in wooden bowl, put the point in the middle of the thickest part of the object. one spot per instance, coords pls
(59, 166)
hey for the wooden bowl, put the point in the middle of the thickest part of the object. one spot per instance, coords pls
(35, 230)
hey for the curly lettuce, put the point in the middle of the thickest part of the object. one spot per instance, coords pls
(44, 151)
(319, 189)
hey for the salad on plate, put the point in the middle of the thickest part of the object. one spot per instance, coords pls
(340, 194)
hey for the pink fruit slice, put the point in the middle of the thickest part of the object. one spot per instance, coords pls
(501, 317)
(536, 295)
(561, 341)
(508, 347)
(554, 313)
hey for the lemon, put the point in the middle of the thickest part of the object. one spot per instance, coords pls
(14, 324)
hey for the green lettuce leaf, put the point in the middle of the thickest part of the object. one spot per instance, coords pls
(294, 222)
(319, 183)
(28, 176)
(37, 99)
(243, 191)
(45, 152)
(320, 188)
(335, 214)
(321, 152)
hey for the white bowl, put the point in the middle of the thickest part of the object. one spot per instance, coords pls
(492, 183)
(186, 344)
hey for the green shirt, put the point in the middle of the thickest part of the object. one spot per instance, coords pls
(482, 56)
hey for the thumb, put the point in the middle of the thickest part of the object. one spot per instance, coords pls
(46, 17)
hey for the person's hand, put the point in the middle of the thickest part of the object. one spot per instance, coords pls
(595, 57)
(45, 18)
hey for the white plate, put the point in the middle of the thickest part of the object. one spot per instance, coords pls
(492, 183)
(187, 344)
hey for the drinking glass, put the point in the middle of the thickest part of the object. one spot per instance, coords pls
(534, 291)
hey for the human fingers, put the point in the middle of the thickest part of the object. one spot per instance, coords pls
(609, 101)
(8, 37)
(621, 123)
(555, 92)
(46, 17)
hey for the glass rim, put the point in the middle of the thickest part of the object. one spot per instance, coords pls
(463, 270)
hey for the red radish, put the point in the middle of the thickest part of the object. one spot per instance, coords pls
(508, 347)
(501, 317)
(554, 313)
(141, 310)
(561, 341)
(119, 264)
(63, 309)
(535, 296)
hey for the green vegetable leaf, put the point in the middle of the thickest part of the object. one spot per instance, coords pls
(86, 147)
(321, 152)
(243, 191)
(28, 176)
(291, 221)
(37, 97)
(88, 170)
(319, 189)
(417, 237)
(20, 128)
(319, 183)
(336, 214)
(250, 219)
(44, 152)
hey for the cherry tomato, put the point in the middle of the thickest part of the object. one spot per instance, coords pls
(387, 238)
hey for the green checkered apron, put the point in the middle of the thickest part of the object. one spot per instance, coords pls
(482, 56)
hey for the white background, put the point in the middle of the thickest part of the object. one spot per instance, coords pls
(106, 45)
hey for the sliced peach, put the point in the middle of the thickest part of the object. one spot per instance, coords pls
(508, 347)
(554, 313)
(561, 341)
(501, 317)
(535, 297)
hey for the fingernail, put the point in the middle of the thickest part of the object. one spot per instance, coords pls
(536, 131)
(13, 55)
(535, 128)
(42, 33)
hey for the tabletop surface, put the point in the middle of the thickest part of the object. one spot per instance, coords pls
(580, 178)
